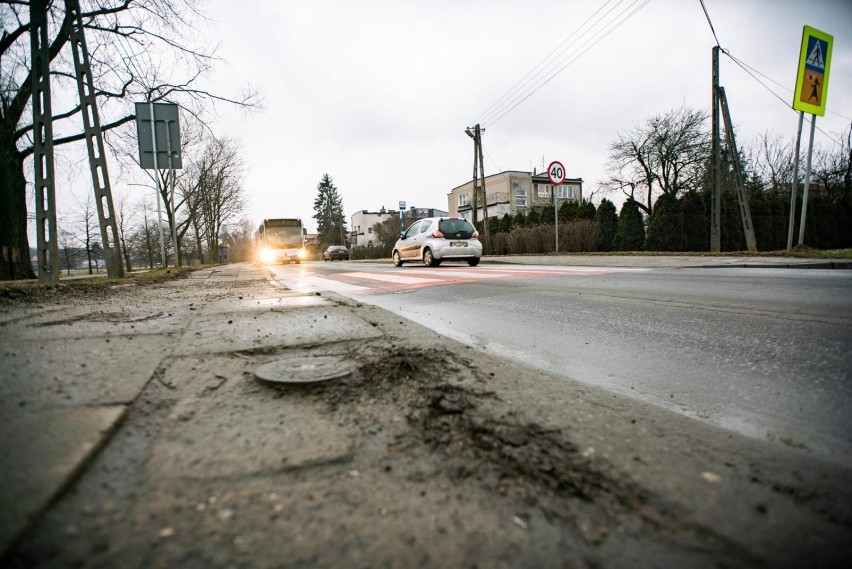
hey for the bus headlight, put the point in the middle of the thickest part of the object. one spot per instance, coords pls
(267, 256)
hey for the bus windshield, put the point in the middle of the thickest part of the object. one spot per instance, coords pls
(284, 236)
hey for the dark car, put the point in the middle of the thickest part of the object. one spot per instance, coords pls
(336, 252)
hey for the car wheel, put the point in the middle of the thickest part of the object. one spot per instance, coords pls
(428, 259)
(397, 261)
(473, 262)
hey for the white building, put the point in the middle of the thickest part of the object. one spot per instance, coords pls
(361, 225)
(511, 192)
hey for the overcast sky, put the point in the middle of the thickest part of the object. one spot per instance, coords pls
(378, 93)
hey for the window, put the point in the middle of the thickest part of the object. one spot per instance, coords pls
(464, 199)
(369, 230)
(520, 195)
(413, 230)
(424, 226)
(568, 192)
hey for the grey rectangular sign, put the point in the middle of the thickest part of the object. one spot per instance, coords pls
(165, 117)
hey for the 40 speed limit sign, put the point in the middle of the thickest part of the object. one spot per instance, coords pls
(556, 173)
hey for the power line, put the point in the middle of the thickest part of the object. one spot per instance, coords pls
(748, 69)
(751, 71)
(533, 71)
(540, 77)
(710, 22)
(566, 61)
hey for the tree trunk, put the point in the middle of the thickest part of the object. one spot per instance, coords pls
(14, 244)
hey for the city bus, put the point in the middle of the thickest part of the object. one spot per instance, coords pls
(281, 241)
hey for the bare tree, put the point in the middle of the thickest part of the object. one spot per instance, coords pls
(771, 161)
(69, 253)
(219, 191)
(128, 43)
(125, 221)
(668, 154)
(82, 224)
(239, 238)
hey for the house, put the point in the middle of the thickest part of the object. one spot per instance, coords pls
(413, 214)
(512, 192)
(362, 222)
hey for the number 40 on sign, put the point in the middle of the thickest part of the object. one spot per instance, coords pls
(556, 173)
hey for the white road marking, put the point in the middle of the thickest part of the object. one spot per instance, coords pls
(443, 273)
(314, 284)
(398, 279)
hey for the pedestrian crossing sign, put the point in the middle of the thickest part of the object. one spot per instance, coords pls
(812, 78)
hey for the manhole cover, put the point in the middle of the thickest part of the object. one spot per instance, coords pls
(305, 370)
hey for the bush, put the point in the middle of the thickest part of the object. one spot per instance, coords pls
(630, 235)
(664, 225)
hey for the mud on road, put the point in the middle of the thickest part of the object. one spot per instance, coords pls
(429, 454)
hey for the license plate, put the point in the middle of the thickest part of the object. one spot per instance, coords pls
(458, 244)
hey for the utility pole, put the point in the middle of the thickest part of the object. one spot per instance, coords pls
(720, 103)
(94, 143)
(479, 181)
(48, 253)
(45, 189)
(715, 189)
(742, 197)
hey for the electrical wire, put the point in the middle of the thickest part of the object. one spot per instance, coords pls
(748, 69)
(752, 72)
(710, 22)
(534, 71)
(540, 77)
(531, 88)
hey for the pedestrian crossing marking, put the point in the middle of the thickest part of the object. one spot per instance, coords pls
(398, 279)
(394, 279)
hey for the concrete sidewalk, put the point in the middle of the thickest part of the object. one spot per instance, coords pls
(70, 374)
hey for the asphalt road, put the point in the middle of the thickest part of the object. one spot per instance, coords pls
(764, 352)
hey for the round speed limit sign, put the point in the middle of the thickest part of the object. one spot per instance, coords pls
(556, 173)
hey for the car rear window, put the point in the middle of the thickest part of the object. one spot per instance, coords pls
(460, 228)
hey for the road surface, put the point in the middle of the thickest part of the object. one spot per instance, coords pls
(764, 352)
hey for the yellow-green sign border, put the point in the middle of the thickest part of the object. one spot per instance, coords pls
(799, 105)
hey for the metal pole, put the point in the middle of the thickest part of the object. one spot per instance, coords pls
(715, 190)
(795, 185)
(172, 195)
(555, 217)
(807, 182)
(157, 178)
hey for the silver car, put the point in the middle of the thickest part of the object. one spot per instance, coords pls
(436, 239)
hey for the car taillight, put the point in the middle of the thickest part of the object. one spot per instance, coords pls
(437, 235)
(475, 234)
